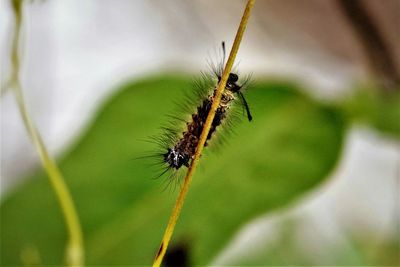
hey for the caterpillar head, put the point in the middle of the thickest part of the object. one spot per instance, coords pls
(231, 85)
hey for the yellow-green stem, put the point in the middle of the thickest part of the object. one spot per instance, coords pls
(74, 249)
(203, 137)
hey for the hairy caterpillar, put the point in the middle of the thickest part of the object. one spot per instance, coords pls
(178, 147)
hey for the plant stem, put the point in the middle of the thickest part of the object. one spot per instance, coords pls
(74, 250)
(203, 137)
(380, 57)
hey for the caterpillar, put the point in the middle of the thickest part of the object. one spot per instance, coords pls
(180, 146)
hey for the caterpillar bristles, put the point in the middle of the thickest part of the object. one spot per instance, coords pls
(180, 136)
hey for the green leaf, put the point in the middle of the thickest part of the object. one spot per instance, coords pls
(367, 105)
(289, 148)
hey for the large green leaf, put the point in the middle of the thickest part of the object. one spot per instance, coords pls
(290, 147)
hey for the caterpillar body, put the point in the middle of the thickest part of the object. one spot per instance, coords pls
(179, 146)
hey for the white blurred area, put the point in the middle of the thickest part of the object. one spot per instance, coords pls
(75, 53)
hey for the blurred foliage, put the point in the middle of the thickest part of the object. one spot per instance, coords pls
(371, 107)
(290, 147)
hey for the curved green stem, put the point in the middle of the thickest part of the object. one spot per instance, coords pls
(75, 249)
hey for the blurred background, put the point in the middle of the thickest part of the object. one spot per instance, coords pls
(314, 180)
